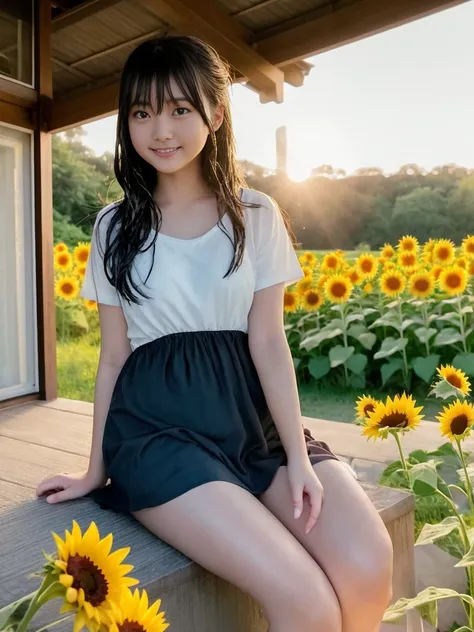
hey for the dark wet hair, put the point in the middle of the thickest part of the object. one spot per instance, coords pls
(199, 72)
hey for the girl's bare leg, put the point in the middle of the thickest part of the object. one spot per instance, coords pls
(349, 542)
(229, 532)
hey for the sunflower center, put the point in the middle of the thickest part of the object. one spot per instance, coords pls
(470, 246)
(409, 259)
(131, 626)
(312, 298)
(393, 283)
(63, 259)
(67, 288)
(338, 290)
(459, 424)
(289, 300)
(422, 285)
(88, 577)
(454, 380)
(443, 253)
(366, 265)
(453, 280)
(394, 420)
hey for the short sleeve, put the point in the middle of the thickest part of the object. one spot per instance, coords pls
(95, 285)
(275, 258)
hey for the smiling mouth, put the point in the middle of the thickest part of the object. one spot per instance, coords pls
(165, 152)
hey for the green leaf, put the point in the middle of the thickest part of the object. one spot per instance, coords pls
(296, 362)
(443, 389)
(389, 368)
(319, 367)
(357, 363)
(339, 355)
(385, 321)
(352, 318)
(450, 301)
(357, 381)
(368, 340)
(390, 346)
(356, 330)
(12, 614)
(368, 310)
(431, 595)
(426, 367)
(449, 316)
(468, 559)
(465, 362)
(313, 341)
(407, 323)
(432, 532)
(423, 479)
(425, 334)
(447, 336)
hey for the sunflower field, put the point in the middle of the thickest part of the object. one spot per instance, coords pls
(74, 315)
(387, 318)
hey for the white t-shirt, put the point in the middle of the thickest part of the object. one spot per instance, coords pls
(187, 286)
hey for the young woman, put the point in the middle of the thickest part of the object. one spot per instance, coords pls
(197, 421)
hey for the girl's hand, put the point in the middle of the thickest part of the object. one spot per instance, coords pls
(67, 486)
(303, 481)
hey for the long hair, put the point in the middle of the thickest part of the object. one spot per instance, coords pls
(199, 72)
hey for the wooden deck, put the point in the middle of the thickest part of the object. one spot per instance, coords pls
(39, 439)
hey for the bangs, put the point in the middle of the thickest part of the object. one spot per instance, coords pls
(150, 83)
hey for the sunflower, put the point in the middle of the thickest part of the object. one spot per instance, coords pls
(321, 282)
(304, 285)
(90, 305)
(398, 414)
(61, 247)
(388, 251)
(470, 267)
(443, 251)
(365, 405)
(407, 260)
(81, 271)
(63, 260)
(468, 245)
(408, 244)
(453, 280)
(93, 577)
(456, 420)
(331, 262)
(354, 276)
(456, 378)
(133, 613)
(389, 265)
(312, 300)
(308, 259)
(81, 252)
(338, 288)
(67, 287)
(392, 282)
(421, 284)
(428, 246)
(307, 271)
(436, 271)
(461, 262)
(367, 266)
(368, 288)
(290, 301)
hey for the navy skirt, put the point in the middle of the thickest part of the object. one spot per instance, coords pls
(187, 409)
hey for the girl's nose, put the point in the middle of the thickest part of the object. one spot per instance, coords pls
(162, 128)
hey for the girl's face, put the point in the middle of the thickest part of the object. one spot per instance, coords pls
(174, 138)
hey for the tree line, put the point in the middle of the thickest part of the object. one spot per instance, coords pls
(328, 210)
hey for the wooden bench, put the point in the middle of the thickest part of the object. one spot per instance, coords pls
(194, 600)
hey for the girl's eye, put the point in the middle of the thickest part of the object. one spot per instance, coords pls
(136, 114)
(182, 111)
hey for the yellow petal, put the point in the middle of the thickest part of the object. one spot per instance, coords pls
(106, 544)
(130, 581)
(79, 622)
(81, 597)
(61, 564)
(66, 580)
(66, 607)
(119, 555)
(71, 595)
(91, 536)
(89, 609)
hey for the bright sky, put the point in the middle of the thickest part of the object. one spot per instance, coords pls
(404, 96)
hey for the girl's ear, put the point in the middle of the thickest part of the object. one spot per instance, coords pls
(218, 117)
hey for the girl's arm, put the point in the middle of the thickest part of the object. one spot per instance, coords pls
(115, 349)
(272, 358)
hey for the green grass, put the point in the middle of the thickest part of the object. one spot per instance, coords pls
(77, 366)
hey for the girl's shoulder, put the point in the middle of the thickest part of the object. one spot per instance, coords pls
(262, 210)
(103, 218)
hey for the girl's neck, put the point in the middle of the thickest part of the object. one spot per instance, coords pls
(182, 187)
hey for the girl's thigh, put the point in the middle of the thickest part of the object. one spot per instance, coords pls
(229, 532)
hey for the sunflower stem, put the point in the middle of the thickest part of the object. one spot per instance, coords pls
(468, 480)
(35, 604)
(425, 320)
(461, 323)
(402, 337)
(344, 338)
(402, 457)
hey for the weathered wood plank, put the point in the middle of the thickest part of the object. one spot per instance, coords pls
(12, 494)
(26, 464)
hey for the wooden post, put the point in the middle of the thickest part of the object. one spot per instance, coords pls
(44, 203)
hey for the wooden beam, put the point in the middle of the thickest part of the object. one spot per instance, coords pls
(46, 309)
(83, 11)
(16, 115)
(343, 26)
(209, 22)
(17, 93)
(84, 108)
